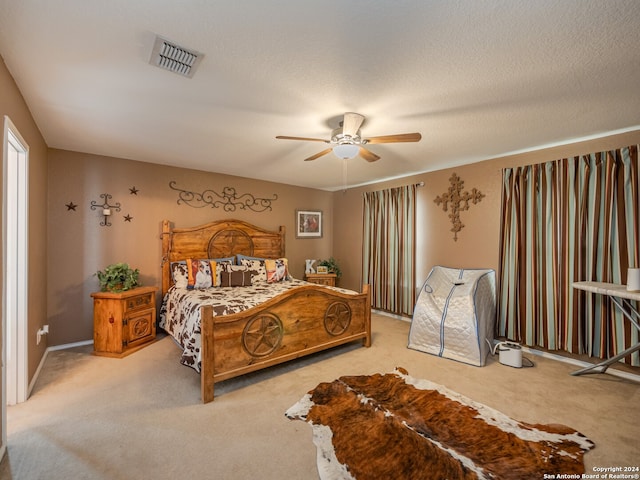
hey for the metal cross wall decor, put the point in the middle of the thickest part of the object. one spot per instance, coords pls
(459, 201)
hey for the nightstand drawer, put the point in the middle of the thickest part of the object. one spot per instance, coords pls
(322, 278)
(139, 301)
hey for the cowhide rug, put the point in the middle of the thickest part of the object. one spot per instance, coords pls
(396, 427)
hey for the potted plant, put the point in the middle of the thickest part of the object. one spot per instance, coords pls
(332, 266)
(118, 277)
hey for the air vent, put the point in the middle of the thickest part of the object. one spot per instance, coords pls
(172, 57)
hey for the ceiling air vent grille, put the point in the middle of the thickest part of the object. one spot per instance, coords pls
(172, 57)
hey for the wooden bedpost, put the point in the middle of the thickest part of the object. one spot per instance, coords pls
(366, 342)
(206, 354)
(166, 263)
(282, 240)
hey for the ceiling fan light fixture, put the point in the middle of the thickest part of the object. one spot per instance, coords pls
(346, 151)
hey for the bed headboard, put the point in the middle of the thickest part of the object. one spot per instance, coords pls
(222, 238)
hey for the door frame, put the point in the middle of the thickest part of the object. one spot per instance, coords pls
(15, 208)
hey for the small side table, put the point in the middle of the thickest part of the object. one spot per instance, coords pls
(123, 322)
(322, 278)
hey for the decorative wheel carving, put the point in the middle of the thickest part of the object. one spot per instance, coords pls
(227, 241)
(337, 318)
(262, 335)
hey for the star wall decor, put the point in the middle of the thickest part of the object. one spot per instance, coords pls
(71, 206)
(134, 190)
(128, 218)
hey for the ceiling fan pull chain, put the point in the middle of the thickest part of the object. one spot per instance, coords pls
(344, 174)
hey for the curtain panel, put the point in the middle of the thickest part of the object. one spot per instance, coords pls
(574, 219)
(388, 255)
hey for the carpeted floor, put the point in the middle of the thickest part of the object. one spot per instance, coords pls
(140, 417)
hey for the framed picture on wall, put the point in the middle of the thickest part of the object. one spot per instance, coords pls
(308, 224)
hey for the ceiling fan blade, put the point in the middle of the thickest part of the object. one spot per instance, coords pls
(283, 137)
(367, 155)
(318, 155)
(352, 123)
(401, 137)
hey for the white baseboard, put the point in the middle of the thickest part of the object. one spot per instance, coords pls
(37, 374)
(70, 345)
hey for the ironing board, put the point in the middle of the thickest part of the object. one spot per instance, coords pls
(622, 298)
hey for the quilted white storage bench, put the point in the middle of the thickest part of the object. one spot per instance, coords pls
(455, 314)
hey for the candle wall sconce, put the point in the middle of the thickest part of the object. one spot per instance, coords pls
(106, 209)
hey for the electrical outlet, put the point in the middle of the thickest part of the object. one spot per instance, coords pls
(44, 330)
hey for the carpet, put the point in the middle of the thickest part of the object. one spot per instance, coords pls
(394, 426)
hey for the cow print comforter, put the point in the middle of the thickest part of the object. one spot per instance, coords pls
(180, 310)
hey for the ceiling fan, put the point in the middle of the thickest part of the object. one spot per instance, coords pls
(347, 142)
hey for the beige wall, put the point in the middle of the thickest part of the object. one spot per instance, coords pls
(478, 242)
(79, 246)
(13, 105)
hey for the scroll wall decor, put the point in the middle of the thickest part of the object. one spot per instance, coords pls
(459, 201)
(228, 200)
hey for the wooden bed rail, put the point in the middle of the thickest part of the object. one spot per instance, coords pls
(304, 321)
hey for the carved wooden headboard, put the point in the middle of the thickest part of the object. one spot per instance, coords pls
(222, 238)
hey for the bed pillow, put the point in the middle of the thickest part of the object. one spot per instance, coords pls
(256, 267)
(231, 260)
(277, 270)
(241, 257)
(179, 274)
(220, 262)
(237, 278)
(234, 276)
(202, 273)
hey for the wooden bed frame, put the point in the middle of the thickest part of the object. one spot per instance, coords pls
(300, 322)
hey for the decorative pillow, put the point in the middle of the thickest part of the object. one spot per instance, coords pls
(231, 260)
(235, 278)
(179, 274)
(241, 257)
(277, 270)
(202, 273)
(220, 263)
(256, 267)
(227, 267)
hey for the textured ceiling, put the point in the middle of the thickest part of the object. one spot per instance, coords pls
(478, 79)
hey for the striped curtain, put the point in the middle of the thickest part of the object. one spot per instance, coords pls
(575, 219)
(388, 260)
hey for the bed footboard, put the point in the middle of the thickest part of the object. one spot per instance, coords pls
(303, 321)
